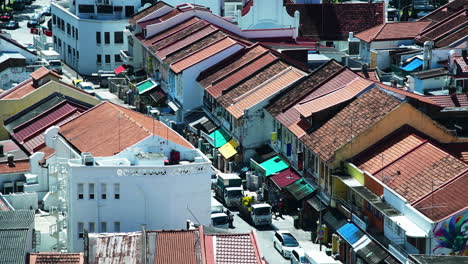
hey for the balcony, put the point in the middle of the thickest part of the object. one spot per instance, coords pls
(126, 58)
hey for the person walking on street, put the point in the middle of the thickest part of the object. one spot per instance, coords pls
(280, 208)
(230, 219)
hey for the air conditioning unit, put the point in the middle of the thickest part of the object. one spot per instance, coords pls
(87, 159)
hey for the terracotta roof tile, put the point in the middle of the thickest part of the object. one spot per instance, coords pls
(445, 200)
(387, 150)
(392, 31)
(263, 91)
(107, 129)
(18, 91)
(459, 150)
(146, 12)
(443, 29)
(445, 11)
(20, 166)
(56, 258)
(232, 249)
(175, 247)
(348, 92)
(350, 122)
(41, 72)
(412, 175)
(203, 54)
(201, 44)
(458, 100)
(335, 21)
(453, 37)
(285, 100)
(462, 63)
(253, 81)
(173, 34)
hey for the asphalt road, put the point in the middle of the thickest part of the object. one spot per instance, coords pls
(265, 236)
(22, 34)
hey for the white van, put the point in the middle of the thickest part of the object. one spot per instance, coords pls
(219, 219)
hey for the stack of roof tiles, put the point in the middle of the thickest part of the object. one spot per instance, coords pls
(56, 258)
(232, 249)
(393, 31)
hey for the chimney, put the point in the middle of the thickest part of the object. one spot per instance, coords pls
(11, 160)
(1, 151)
(427, 56)
(364, 70)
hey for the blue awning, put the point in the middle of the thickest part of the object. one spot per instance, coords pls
(350, 233)
(413, 65)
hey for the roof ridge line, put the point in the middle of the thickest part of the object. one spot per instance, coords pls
(459, 175)
(22, 125)
(378, 32)
(190, 54)
(442, 21)
(177, 40)
(194, 42)
(159, 33)
(402, 156)
(334, 91)
(130, 118)
(263, 84)
(290, 105)
(245, 64)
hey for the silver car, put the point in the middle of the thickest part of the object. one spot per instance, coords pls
(298, 256)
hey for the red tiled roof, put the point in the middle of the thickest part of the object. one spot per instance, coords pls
(20, 166)
(41, 72)
(446, 200)
(387, 150)
(462, 63)
(107, 129)
(147, 11)
(413, 174)
(263, 91)
(335, 21)
(203, 54)
(444, 11)
(169, 33)
(19, 90)
(175, 247)
(56, 258)
(285, 177)
(459, 150)
(336, 83)
(393, 31)
(232, 249)
(348, 92)
(444, 28)
(457, 100)
(350, 122)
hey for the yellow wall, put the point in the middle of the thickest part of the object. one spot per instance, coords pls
(9, 107)
(354, 172)
(339, 188)
(403, 114)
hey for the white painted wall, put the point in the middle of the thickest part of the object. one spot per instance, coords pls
(214, 5)
(268, 14)
(6, 46)
(22, 200)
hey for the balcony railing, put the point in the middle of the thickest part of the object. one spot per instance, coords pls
(126, 57)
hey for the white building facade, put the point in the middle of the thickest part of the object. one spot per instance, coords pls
(130, 189)
(88, 34)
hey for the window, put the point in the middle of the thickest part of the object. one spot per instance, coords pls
(118, 37)
(77, 54)
(116, 226)
(107, 37)
(76, 33)
(98, 37)
(117, 190)
(69, 49)
(99, 58)
(55, 40)
(80, 191)
(129, 11)
(103, 191)
(108, 58)
(117, 58)
(118, 8)
(105, 9)
(60, 42)
(91, 191)
(92, 227)
(80, 230)
(86, 8)
(73, 31)
(68, 29)
(103, 227)
(54, 19)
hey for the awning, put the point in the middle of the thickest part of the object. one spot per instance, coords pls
(300, 189)
(274, 165)
(158, 94)
(120, 69)
(173, 106)
(316, 204)
(285, 178)
(350, 232)
(334, 219)
(146, 86)
(229, 149)
(371, 252)
(220, 137)
(413, 65)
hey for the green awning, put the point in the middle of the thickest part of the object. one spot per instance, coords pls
(300, 189)
(220, 137)
(146, 86)
(274, 165)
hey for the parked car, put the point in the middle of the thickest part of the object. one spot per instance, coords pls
(298, 256)
(285, 242)
(6, 17)
(87, 87)
(12, 24)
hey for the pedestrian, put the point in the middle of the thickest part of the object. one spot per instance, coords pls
(280, 208)
(230, 219)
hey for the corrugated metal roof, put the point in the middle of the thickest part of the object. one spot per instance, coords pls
(115, 248)
(300, 189)
(203, 54)
(13, 246)
(18, 219)
(263, 91)
(56, 258)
